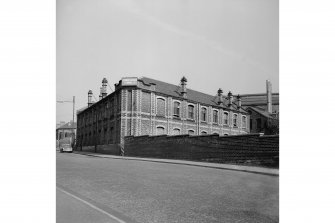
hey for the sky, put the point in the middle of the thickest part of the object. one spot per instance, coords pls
(228, 44)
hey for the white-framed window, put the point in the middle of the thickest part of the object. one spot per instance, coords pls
(160, 130)
(190, 111)
(226, 134)
(215, 116)
(176, 108)
(244, 121)
(203, 133)
(160, 108)
(203, 114)
(176, 131)
(225, 118)
(235, 120)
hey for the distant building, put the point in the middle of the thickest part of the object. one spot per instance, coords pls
(263, 110)
(66, 130)
(60, 124)
(144, 106)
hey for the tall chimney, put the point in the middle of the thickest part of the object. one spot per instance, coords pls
(220, 102)
(104, 88)
(183, 82)
(269, 96)
(230, 99)
(239, 102)
(100, 95)
(89, 102)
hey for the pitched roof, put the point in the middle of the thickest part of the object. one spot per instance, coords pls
(258, 99)
(261, 111)
(69, 125)
(174, 90)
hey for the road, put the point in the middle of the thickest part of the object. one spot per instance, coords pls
(93, 189)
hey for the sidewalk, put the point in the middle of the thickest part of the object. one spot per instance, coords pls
(249, 169)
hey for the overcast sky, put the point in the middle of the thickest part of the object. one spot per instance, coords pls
(228, 44)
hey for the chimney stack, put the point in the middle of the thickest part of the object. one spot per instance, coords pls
(220, 102)
(89, 102)
(100, 95)
(239, 102)
(183, 82)
(269, 96)
(104, 88)
(230, 99)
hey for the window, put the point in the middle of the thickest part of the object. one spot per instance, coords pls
(250, 124)
(203, 114)
(203, 133)
(160, 130)
(225, 118)
(191, 112)
(176, 109)
(191, 132)
(225, 134)
(160, 107)
(235, 120)
(176, 131)
(215, 116)
(244, 122)
(258, 123)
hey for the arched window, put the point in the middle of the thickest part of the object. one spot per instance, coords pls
(176, 109)
(160, 130)
(203, 133)
(160, 107)
(191, 132)
(225, 134)
(235, 120)
(176, 131)
(203, 114)
(225, 118)
(190, 109)
(244, 121)
(215, 116)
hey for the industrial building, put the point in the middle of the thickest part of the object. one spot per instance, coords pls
(144, 106)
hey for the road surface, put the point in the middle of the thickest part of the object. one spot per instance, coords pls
(93, 189)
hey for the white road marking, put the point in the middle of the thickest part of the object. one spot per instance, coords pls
(92, 206)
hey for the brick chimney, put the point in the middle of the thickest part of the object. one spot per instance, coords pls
(104, 88)
(269, 96)
(239, 102)
(89, 102)
(230, 99)
(183, 82)
(220, 101)
(100, 95)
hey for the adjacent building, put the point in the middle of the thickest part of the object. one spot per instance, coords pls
(263, 110)
(144, 106)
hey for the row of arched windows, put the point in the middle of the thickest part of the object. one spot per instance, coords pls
(160, 130)
(203, 113)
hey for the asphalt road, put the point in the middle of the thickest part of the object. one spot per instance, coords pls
(92, 189)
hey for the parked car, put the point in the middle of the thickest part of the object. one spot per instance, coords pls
(66, 148)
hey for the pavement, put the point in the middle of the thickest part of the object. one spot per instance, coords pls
(100, 189)
(249, 169)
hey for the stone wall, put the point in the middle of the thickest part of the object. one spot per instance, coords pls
(249, 149)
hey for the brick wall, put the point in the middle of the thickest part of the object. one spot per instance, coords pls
(249, 149)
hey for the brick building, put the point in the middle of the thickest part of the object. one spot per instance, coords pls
(144, 106)
(263, 110)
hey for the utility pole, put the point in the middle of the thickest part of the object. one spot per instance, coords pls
(73, 104)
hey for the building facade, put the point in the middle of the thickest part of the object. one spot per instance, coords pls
(144, 106)
(263, 110)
